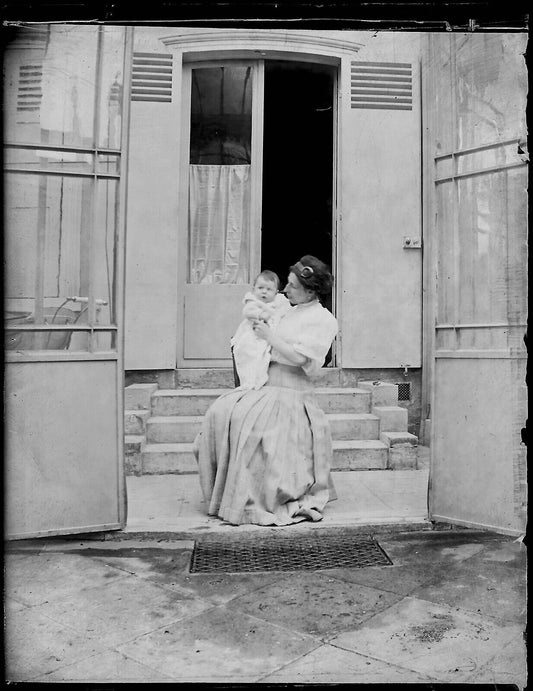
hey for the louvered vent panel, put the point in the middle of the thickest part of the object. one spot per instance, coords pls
(151, 77)
(30, 88)
(383, 85)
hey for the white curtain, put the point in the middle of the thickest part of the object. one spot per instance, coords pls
(219, 223)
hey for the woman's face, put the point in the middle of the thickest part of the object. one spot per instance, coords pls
(296, 292)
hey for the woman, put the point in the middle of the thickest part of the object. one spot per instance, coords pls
(264, 455)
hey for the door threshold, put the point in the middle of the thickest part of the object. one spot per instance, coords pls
(226, 530)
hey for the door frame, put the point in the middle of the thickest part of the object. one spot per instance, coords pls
(183, 206)
(207, 59)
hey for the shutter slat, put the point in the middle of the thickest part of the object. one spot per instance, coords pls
(151, 78)
(381, 85)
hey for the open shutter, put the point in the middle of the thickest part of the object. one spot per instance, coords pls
(380, 203)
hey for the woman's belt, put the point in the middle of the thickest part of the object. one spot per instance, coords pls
(290, 376)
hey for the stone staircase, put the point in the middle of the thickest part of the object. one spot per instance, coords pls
(369, 429)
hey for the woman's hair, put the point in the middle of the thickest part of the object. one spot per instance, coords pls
(269, 276)
(313, 274)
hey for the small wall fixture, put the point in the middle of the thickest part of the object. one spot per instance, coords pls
(412, 243)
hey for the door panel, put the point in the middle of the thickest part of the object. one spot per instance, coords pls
(211, 318)
(478, 461)
(221, 205)
(62, 445)
(478, 264)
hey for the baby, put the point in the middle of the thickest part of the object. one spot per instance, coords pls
(252, 354)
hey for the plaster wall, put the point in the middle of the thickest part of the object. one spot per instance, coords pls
(379, 200)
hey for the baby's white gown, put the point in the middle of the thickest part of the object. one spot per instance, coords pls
(252, 354)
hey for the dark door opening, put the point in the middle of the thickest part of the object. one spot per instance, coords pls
(297, 165)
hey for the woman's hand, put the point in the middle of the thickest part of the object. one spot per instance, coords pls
(262, 330)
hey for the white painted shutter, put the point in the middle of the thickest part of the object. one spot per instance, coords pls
(380, 204)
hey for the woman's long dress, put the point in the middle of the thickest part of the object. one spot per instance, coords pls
(264, 455)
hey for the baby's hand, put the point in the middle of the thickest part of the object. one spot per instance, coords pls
(262, 330)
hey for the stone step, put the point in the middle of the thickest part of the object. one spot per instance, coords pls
(349, 426)
(159, 459)
(178, 458)
(184, 401)
(343, 400)
(363, 454)
(135, 421)
(205, 378)
(133, 445)
(196, 401)
(173, 428)
(382, 392)
(222, 377)
(133, 442)
(138, 396)
(403, 450)
(392, 418)
(184, 428)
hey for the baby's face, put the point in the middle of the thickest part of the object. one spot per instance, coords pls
(264, 290)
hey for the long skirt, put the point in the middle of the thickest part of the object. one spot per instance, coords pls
(264, 455)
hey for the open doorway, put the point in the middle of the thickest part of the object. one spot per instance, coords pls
(298, 143)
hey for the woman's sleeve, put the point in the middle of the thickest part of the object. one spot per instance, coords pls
(315, 341)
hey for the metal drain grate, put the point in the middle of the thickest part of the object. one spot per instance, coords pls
(301, 554)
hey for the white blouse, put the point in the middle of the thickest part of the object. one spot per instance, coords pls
(310, 329)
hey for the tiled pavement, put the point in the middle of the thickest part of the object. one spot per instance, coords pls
(450, 609)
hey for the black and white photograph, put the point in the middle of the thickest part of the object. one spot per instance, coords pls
(265, 351)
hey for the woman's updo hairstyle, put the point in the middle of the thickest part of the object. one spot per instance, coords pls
(313, 274)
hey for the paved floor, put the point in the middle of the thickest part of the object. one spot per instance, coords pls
(450, 609)
(125, 607)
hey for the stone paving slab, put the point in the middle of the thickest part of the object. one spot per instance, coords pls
(331, 665)
(108, 545)
(120, 611)
(398, 579)
(508, 553)
(445, 561)
(314, 603)
(160, 570)
(446, 546)
(221, 588)
(172, 571)
(497, 591)
(109, 667)
(35, 579)
(506, 667)
(219, 645)
(446, 643)
(35, 645)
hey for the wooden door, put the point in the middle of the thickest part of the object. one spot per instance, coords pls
(220, 219)
(64, 233)
(477, 263)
